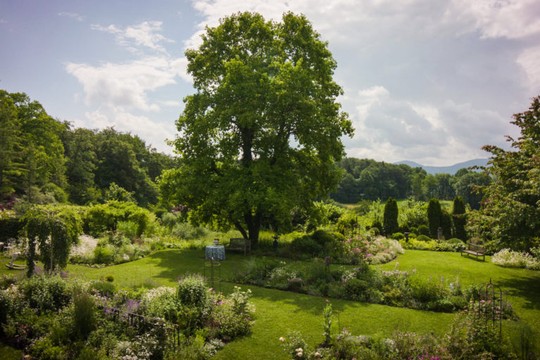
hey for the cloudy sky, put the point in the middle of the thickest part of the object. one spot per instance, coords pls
(424, 80)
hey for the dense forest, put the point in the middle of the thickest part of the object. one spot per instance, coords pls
(366, 179)
(44, 160)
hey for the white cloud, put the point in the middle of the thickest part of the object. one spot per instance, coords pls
(154, 133)
(145, 34)
(529, 60)
(391, 129)
(127, 84)
(512, 19)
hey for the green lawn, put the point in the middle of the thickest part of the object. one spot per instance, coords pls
(279, 312)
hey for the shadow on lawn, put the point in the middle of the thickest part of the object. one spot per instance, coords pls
(527, 288)
(172, 264)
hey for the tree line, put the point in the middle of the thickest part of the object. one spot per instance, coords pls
(366, 179)
(45, 160)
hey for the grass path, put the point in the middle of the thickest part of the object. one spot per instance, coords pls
(279, 312)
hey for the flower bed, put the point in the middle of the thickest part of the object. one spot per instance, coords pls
(48, 317)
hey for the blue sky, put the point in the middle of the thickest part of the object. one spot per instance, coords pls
(425, 80)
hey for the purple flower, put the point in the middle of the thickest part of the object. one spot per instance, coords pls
(132, 305)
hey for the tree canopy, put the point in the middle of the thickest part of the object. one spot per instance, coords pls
(44, 160)
(260, 135)
(511, 204)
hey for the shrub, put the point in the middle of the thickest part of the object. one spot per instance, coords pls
(161, 302)
(84, 318)
(104, 254)
(434, 213)
(427, 291)
(423, 238)
(305, 247)
(192, 291)
(383, 250)
(129, 228)
(423, 230)
(103, 288)
(453, 244)
(280, 277)
(46, 293)
(187, 231)
(419, 245)
(398, 236)
(105, 217)
(256, 271)
(232, 316)
(509, 258)
(474, 336)
(390, 219)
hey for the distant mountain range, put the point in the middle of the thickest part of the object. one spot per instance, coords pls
(452, 169)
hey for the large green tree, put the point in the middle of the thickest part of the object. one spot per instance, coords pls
(512, 201)
(260, 135)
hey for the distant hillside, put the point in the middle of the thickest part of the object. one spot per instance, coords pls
(446, 169)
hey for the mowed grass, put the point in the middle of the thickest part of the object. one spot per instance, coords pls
(279, 312)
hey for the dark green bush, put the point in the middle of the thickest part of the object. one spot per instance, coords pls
(256, 271)
(10, 228)
(305, 247)
(46, 293)
(355, 289)
(398, 236)
(427, 291)
(104, 288)
(84, 317)
(423, 230)
(390, 220)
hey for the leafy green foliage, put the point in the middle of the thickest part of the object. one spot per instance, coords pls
(55, 229)
(459, 218)
(390, 222)
(43, 160)
(106, 217)
(511, 207)
(262, 132)
(434, 214)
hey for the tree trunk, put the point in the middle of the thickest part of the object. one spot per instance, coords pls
(253, 223)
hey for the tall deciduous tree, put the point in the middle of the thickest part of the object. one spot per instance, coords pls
(512, 201)
(260, 135)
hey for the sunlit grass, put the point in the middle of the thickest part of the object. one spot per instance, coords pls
(279, 312)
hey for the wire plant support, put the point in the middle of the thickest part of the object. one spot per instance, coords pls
(494, 296)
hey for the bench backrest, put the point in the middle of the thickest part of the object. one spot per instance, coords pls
(477, 248)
